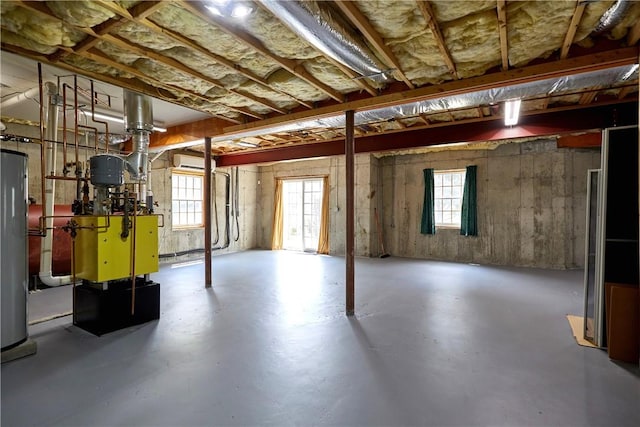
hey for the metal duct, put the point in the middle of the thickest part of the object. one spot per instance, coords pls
(138, 120)
(612, 16)
(553, 86)
(315, 23)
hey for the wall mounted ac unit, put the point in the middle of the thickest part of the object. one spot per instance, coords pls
(190, 162)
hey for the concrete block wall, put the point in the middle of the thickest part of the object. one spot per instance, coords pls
(531, 205)
(334, 167)
(177, 240)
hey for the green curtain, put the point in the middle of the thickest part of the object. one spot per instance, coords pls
(469, 222)
(428, 224)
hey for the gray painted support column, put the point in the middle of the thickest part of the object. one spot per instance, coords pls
(207, 212)
(350, 232)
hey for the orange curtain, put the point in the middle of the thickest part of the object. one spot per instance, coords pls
(276, 228)
(323, 240)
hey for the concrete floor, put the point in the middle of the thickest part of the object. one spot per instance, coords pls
(433, 343)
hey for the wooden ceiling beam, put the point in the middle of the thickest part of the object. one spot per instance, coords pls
(588, 97)
(140, 17)
(96, 56)
(625, 91)
(134, 85)
(355, 77)
(573, 27)
(176, 65)
(430, 18)
(634, 34)
(423, 119)
(101, 58)
(290, 65)
(501, 9)
(101, 33)
(358, 19)
(230, 65)
(175, 136)
(532, 73)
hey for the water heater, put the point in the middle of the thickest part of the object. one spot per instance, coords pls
(14, 276)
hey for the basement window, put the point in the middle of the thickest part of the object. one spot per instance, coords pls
(186, 199)
(448, 188)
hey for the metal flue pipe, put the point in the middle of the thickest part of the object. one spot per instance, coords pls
(138, 120)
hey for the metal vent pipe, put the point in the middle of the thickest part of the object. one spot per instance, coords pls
(138, 120)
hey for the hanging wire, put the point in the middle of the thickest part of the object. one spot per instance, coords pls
(235, 213)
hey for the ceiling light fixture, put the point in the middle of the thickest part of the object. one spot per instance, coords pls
(511, 112)
(241, 11)
(229, 8)
(246, 144)
(117, 119)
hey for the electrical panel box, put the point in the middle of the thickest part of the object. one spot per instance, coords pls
(101, 254)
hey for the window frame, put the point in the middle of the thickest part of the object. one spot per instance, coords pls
(175, 173)
(436, 197)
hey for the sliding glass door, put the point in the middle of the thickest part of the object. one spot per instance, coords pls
(302, 202)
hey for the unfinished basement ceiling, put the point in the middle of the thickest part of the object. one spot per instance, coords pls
(268, 67)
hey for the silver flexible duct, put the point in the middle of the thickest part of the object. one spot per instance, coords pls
(612, 16)
(315, 23)
(554, 86)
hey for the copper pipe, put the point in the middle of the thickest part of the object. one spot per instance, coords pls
(41, 230)
(350, 184)
(75, 122)
(133, 253)
(66, 178)
(73, 279)
(207, 212)
(93, 118)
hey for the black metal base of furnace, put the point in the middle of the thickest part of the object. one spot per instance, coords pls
(102, 311)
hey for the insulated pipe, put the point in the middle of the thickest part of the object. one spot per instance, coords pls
(316, 25)
(541, 88)
(612, 16)
(46, 249)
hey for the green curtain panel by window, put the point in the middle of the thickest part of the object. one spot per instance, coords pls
(428, 224)
(469, 223)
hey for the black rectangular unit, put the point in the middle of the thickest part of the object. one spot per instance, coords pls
(102, 311)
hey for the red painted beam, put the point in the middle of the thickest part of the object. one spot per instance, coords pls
(535, 125)
(584, 140)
